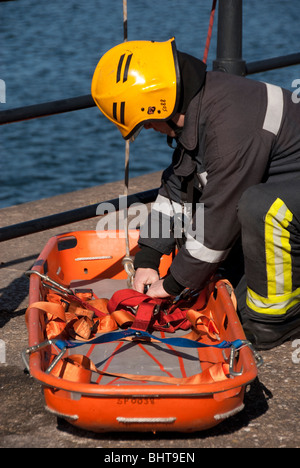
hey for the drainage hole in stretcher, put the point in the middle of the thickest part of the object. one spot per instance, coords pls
(225, 322)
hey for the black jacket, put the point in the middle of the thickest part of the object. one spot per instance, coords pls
(237, 133)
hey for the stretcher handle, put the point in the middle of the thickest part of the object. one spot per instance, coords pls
(234, 350)
(46, 278)
(38, 347)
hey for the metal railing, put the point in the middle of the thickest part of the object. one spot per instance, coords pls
(84, 102)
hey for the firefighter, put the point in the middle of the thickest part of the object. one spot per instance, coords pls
(234, 175)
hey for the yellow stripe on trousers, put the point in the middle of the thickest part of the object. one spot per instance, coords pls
(278, 264)
(278, 249)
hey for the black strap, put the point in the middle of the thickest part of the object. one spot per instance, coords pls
(170, 142)
(177, 131)
(187, 188)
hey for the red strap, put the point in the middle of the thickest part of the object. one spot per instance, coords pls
(146, 312)
(176, 319)
(129, 298)
(86, 304)
(144, 316)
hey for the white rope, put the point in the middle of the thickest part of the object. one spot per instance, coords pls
(127, 261)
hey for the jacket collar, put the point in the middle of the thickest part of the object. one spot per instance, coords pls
(189, 135)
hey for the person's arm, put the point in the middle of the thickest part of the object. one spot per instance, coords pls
(157, 238)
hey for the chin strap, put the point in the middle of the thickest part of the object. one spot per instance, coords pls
(170, 142)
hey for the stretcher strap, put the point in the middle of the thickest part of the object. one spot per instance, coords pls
(86, 304)
(79, 368)
(76, 322)
(57, 311)
(128, 298)
(120, 335)
(159, 314)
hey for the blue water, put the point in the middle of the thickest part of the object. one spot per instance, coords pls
(49, 50)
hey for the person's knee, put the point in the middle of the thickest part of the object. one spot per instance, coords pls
(249, 209)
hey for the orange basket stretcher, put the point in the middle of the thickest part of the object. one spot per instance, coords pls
(102, 372)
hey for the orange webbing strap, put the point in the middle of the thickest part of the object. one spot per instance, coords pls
(79, 368)
(79, 323)
(201, 324)
(76, 322)
(55, 314)
(54, 309)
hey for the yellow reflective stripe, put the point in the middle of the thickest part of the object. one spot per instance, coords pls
(272, 305)
(280, 296)
(278, 249)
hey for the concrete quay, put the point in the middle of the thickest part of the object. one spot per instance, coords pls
(271, 416)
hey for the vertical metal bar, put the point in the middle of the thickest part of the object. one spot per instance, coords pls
(229, 42)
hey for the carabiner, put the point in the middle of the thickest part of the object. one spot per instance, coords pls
(52, 284)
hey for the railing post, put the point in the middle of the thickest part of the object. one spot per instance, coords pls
(229, 42)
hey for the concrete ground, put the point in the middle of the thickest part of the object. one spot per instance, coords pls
(271, 416)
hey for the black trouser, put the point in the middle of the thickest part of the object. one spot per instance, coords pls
(270, 224)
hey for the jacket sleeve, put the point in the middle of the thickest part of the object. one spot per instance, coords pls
(157, 234)
(157, 231)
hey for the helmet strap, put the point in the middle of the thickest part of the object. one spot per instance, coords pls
(174, 127)
(170, 141)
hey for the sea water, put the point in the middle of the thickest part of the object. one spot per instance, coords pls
(49, 51)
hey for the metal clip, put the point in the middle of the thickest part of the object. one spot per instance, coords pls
(50, 283)
(38, 347)
(182, 295)
(233, 352)
(258, 359)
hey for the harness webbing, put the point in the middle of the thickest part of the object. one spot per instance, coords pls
(130, 332)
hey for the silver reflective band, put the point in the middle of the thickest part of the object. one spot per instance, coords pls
(202, 177)
(274, 305)
(163, 205)
(274, 111)
(198, 250)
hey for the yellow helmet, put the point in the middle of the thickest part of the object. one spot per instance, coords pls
(137, 81)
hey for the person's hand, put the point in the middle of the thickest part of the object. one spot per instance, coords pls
(157, 290)
(144, 277)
